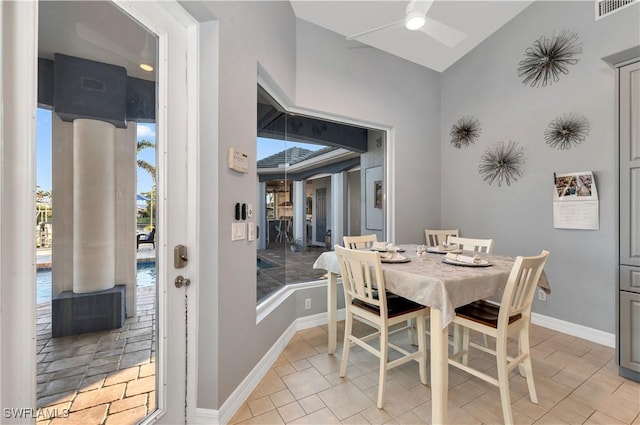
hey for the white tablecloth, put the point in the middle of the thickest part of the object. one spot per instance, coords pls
(428, 281)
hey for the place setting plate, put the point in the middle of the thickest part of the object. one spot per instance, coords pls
(481, 263)
(440, 250)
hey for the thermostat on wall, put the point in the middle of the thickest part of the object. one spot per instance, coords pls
(238, 161)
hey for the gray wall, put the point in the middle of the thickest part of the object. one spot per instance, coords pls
(250, 33)
(484, 84)
(372, 86)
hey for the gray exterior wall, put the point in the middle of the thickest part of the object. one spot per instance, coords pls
(484, 84)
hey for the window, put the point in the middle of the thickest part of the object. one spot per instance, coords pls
(306, 166)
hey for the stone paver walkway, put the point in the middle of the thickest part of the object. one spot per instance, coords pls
(100, 378)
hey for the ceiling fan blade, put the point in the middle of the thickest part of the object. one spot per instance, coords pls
(100, 40)
(442, 33)
(396, 24)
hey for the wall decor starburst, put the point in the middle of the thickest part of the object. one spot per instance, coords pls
(465, 131)
(548, 58)
(502, 163)
(566, 131)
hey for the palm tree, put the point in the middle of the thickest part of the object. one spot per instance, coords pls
(142, 145)
(151, 195)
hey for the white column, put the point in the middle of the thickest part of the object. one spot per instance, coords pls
(93, 206)
(260, 214)
(338, 202)
(299, 211)
(125, 212)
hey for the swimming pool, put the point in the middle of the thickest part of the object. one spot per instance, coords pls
(146, 277)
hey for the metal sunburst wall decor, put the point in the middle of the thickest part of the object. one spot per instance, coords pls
(548, 58)
(566, 131)
(465, 131)
(502, 163)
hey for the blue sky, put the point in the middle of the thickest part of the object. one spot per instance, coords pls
(43, 152)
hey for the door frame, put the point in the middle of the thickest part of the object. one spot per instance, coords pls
(177, 116)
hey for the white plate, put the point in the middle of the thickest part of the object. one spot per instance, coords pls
(482, 263)
(435, 250)
(386, 250)
(396, 260)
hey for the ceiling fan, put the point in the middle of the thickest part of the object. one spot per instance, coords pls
(416, 18)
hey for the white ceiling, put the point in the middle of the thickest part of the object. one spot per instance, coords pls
(97, 31)
(478, 19)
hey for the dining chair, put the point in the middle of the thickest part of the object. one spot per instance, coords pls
(366, 300)
(468, 244)
(438, 237)
(280, 233)
(512, 317)
(359, 242)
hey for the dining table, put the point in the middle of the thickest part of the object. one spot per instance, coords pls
(431, 280)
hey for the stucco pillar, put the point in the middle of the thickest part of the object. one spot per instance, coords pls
(299, 211)
(93, 206)
(338, 203)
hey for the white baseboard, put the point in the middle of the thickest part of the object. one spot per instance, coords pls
(242, 392)
(590, 334)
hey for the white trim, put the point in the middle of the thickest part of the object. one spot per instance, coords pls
(584, 332)
(248, 384)
(274, 300)
(390, 147)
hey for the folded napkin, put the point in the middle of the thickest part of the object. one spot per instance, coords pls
(391, 256)
(445, 247)
(379, 246)
(463, 258)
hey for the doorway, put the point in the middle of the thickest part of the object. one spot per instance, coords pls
(174, 396)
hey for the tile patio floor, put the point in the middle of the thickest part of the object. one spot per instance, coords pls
(100, 378)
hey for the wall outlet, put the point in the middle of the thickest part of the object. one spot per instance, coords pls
(307, 304)
(542, 296)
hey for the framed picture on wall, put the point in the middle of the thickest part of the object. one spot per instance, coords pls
(374, 198)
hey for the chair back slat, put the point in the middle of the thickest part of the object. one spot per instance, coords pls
(521, 286)
(468, 244)
(361, 276)
(359, 242)
(438, 237)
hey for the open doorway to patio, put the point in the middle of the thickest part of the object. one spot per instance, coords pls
(318, 180)
(96, 258)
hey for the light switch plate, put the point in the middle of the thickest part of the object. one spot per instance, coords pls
(249, 210)
(238, 231)
(251, 233)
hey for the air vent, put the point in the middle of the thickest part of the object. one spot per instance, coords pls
(607, 7)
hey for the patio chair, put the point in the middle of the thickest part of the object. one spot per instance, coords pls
(149, 238)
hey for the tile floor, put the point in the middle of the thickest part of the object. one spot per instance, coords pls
(100, 378)
(576, 380)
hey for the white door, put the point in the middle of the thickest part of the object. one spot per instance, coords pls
(176, 119)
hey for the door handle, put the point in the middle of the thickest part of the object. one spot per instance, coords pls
(182, 281)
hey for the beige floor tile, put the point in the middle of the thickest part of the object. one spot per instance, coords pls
(305, 383)
(571, 411)
(262, 405)
(373, 415)
(269, 418)
(312, 403)
(300, 349)
(325, 364)
(270, 384)
(285, 369)
(320, 417)
(290, 412)
(301, 364)
(345, 400)
(356, 419)
(243, 414)
(549, 419)
(281, 398)
(599, 418)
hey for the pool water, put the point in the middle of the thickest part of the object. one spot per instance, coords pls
(146, 277)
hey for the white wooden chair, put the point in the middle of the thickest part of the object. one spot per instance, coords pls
(366, 300)
(359, 242)
(438, 237)
(512, 317)
(468, 244)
